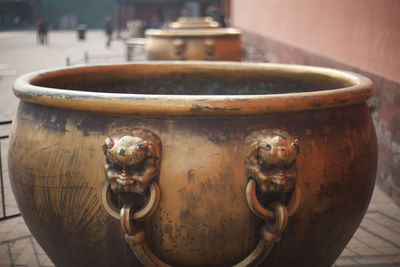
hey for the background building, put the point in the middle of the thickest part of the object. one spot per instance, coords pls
(153, 12)
(16, 14)
(59, 14)
(62, 14)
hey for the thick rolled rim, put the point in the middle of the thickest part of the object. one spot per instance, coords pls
(360, 90)
(193, 32)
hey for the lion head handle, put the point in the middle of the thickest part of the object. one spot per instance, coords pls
(270, 158)
(133, 159)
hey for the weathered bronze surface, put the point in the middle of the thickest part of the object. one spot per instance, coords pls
(133, 160)
(270, 159)
(246, 164)
(194, 39)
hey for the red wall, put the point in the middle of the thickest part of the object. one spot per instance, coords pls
(362, 33)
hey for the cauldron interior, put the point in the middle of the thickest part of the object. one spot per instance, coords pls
(191, 80)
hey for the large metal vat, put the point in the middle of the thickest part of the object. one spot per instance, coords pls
(194, 23)
(194, 39)
(193, 164)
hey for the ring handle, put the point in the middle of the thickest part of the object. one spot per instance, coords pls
(263, 213)
(270, 234)
(151, 205)
(270, 161)
(143, 213)
(136, 238)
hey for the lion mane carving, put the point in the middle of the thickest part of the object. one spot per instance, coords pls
(270, 158)
(133, 159)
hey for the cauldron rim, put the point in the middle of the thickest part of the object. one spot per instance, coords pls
(197, 105)
(190, 32)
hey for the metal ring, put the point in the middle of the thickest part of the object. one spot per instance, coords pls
(281, 218)
(151, 205)
(264, 213)
(136, 238)
(270, 235)
(140, 214)
(126, 219)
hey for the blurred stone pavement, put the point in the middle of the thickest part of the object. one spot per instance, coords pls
(376, 242)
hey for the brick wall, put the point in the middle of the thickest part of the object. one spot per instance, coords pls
(362, 33)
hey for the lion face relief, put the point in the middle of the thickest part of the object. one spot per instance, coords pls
(132, 160)
(270, 157)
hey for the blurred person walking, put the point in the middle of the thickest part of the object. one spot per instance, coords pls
(42, 29)
(108, 28)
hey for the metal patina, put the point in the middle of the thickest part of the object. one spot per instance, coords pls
(193, 163)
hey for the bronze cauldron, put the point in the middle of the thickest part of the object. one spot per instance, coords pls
(194, 39)
(193, 164)
(194, 23)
